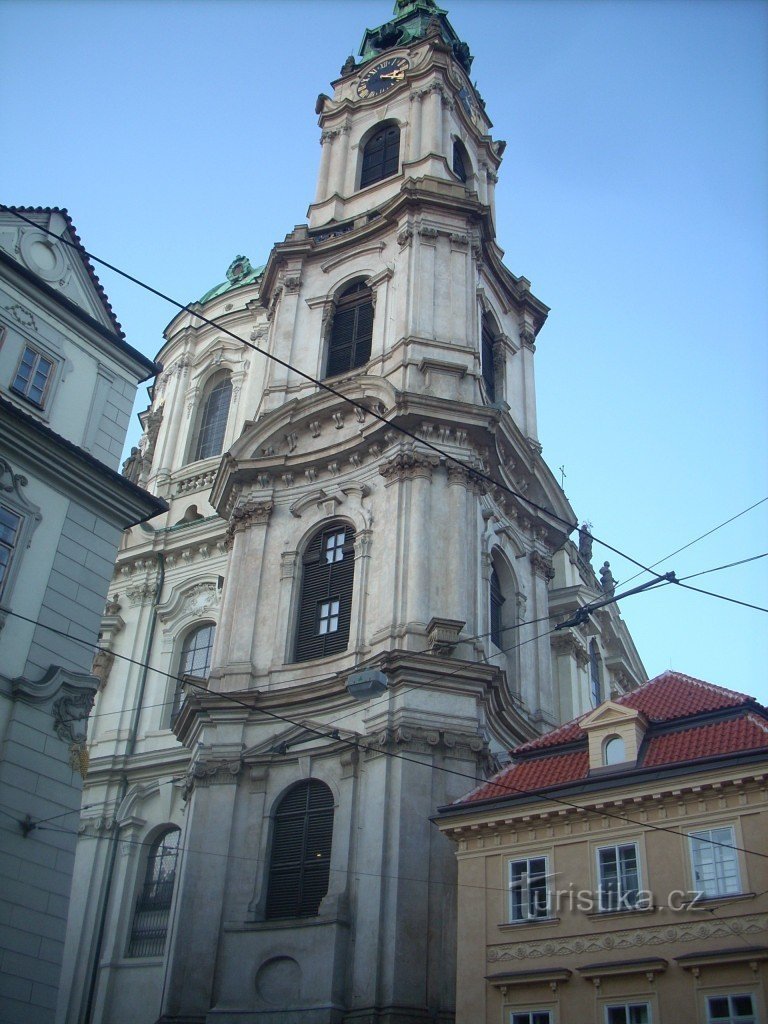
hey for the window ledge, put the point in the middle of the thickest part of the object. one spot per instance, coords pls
(284, 923)
(716, 901)
(598, 915)
(533, 922)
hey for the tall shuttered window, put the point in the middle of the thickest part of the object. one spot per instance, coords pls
(153, 907)
(350, 341)
(381, 156)
(486, 361)
(497, 601)
(325, 604)
(460, 162)
(195, 661)
(300, 860)
(213, 419)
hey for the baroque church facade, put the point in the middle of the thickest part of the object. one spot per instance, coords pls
(342, 622)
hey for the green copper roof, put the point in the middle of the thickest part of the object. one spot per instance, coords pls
(411, 21)
(239, 273)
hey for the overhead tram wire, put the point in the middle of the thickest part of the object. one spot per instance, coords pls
(700, 537)
(368, 746)
(472, 471)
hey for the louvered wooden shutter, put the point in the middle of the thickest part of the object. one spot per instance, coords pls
(381, 156)
(497, 600)
(350, 341)
(324, 581)
(301, 851)
(486, 360)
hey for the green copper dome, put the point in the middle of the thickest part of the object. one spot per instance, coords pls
(413, 19)
(239, 273)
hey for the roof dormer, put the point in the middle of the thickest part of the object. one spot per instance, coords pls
(615, 734)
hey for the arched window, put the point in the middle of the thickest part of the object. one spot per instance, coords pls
(486, 359)
(325, 604)
(594, 673)
(614, 751)
(213, 418)
(497, 602)
(381, 155)
(460, 162)
(349, 345)
(153, 906)
(195, 661)
(300, 860)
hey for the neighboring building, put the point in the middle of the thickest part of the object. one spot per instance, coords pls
(270, 858)
(67, 384)
(617, 870)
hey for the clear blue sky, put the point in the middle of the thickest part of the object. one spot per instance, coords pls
(633, 194)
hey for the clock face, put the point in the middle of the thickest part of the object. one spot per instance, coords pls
(467, 101)
(382, 77)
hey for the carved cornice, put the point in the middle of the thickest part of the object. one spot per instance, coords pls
(409, 465)
(542, 565)
(214, 773)
(252, 513)
(678, 935)
(421, 740)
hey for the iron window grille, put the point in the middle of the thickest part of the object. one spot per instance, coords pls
(349, 345)
(325, 602)
(738, 1009)
(300, 859)
(528, 889)
(381, 156)
(213, 420)
(619, 877)
(33, 375)
(715, 868)
(153, 907)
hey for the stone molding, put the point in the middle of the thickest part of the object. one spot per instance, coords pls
(542, 565)
(408, 466)
(421, 740)
(251, 513)
(631, 938)
(68, 696)
(215, 773)
(569, 644)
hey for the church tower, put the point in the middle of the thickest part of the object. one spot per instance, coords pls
(361, 613)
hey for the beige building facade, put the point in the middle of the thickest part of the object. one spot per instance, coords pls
(616, 872)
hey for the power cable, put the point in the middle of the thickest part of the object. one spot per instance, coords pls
(719, 568)
(186, 308)
(367, 745)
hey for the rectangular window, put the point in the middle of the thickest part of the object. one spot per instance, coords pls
(528, 892)
(619, 877)
(531, 1017)
(334, 546)
(730, 1010)
(628, 1013)
(328, 617)
(715, 867)
(10, 524)
(33, 375)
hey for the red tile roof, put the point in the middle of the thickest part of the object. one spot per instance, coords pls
(669, 696)
(533, 774)
(747, 732)
(667, 699)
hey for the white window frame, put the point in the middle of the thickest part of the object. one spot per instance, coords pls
(519, 1017)
(719, 856)
(731, 1018)
(627, 1007)
(526, 890)
(623, 905)
(50, 376)
(11, 484)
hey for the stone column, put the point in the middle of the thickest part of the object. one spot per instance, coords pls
(167, 458)
(235, 637)
(416, 148)
(325, 166)
(338, 166)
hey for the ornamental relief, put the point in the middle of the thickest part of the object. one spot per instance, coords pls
(631, 938)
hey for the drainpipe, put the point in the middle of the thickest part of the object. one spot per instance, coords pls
(130, 748)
